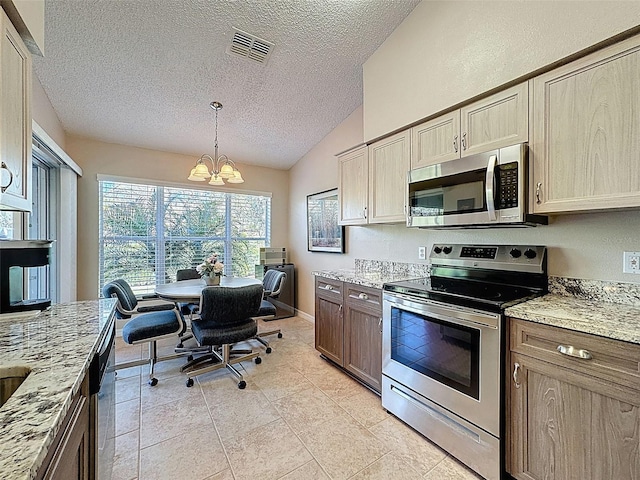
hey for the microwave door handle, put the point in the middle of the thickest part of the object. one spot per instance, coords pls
(491, 168)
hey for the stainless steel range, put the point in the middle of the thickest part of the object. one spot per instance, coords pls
(443, 346)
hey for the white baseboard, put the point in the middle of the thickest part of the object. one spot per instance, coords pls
(306, 316)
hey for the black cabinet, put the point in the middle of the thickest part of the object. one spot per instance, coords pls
(285, 303)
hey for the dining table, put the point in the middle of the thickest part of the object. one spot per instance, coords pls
(189, 291)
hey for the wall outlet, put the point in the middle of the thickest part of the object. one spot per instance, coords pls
(422, 253)
(631, 262)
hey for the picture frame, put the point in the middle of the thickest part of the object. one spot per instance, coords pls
(324, 234)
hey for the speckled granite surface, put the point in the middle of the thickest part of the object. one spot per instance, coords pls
(374, 273)
(58, 346)
(607, 309)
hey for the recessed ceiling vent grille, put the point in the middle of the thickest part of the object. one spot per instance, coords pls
(249, 46)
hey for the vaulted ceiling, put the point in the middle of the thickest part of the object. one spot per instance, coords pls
(143, 72)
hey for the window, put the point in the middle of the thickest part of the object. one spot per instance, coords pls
(149, 232)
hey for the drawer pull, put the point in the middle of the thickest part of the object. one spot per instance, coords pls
(363, 296)
(5, 187)
(516, 374)
(575, 352)
(329, 288)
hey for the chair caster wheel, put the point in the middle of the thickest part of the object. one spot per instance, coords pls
(258, 360)
(280, 335)
(153, 382)
(189, 358)
(190, 383)
(180, 345)
(242, 384)
(268, 350)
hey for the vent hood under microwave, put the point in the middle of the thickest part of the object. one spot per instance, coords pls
(485, 190)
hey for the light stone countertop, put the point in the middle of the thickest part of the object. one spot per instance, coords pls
(374, 279)
(58, 345)
(607, 319)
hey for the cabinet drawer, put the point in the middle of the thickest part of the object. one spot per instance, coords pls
(611, 360)
(329, 288)
(364, 297)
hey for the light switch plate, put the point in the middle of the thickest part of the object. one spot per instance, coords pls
(631, 262)
(422, 253)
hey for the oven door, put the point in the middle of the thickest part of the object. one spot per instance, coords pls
(448, 354)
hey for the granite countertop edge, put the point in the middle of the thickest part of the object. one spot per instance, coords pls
(57, 345)
(606, 319)
(371, 280)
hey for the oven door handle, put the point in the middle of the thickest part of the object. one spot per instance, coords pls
(447, 314)
(490, 186)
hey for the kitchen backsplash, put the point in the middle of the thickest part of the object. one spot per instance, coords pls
(626, 293)
(394, 269)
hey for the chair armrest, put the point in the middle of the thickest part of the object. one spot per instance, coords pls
(156, 308)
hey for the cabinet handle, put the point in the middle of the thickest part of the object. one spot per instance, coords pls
(516, 374)
(464, 141)
(364, 211)
(363, 296)
(455, 143)
(4, 187)
(575, 352)
(380, 324)
(538, 201)
(340, 310)
(329, 288)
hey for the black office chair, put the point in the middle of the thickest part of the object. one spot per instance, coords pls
(226, 317)
(186, 308)
(150, 324)
(272, 284)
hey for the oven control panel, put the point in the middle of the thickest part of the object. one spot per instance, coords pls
(478, 252)
(526, 258)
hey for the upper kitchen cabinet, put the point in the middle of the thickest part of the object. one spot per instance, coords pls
(15, 120)
(373, 181)
(388, 167)
(586, 132)
(496, 121)
(353, 166)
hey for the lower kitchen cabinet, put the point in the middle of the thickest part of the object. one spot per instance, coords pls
(348, 328)
(68, 457)
(572, 417)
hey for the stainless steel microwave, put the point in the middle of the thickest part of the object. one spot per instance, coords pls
(483, 190)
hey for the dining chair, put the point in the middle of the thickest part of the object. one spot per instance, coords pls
(147, 324)
(226, 318)
(272, 284)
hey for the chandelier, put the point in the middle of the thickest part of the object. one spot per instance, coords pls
(222, 168)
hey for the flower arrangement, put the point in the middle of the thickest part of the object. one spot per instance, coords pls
(210, 267)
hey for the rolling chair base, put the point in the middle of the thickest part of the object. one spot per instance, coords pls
(221, 361)
(151, 361)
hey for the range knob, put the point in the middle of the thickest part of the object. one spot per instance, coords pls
(515, 253)
(437, 249)
(447, 250)
(530, 253)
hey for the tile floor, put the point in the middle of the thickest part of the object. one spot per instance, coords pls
(298, 418)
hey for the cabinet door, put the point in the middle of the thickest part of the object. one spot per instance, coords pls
(328, 319)
(15, 119)
(436, 141)
(363, 334)
(567, 425)
(586, 132)
(353, 187)
(496, 121)
(388, 167)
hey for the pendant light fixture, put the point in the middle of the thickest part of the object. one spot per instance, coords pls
(222, 168)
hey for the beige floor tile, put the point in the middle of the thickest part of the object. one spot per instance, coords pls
(127, 389)
(309, 471)
(125, 462)
(365, 407)
(194, 455)
(389, 466)
(126, 352)
(342, 446)
(236, 412)
(129, 372)
(171, 420)
(334, 383)
(309, 361)
(127, 416)
(280, 382)
(223, 475)
(451, 469)
(268, 452)
(169, 389)
(410, 446)
(308, 409)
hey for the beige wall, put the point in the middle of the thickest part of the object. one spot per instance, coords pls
(585, 246)
(43, 113)
(446, 52)
(96, 157)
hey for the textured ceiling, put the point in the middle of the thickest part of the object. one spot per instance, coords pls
(143, 72)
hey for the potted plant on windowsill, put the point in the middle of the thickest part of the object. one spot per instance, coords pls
(211, 270)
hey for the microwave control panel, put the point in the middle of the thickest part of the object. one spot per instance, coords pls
(507, 186)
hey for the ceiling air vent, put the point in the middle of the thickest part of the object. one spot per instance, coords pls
(245, 45)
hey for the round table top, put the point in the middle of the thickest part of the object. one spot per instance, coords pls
(190, 290)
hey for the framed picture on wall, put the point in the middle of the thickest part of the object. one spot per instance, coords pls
(323, 232)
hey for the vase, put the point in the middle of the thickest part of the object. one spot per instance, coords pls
(211, 279)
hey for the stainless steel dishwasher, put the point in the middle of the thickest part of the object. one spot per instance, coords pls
(102, 388)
